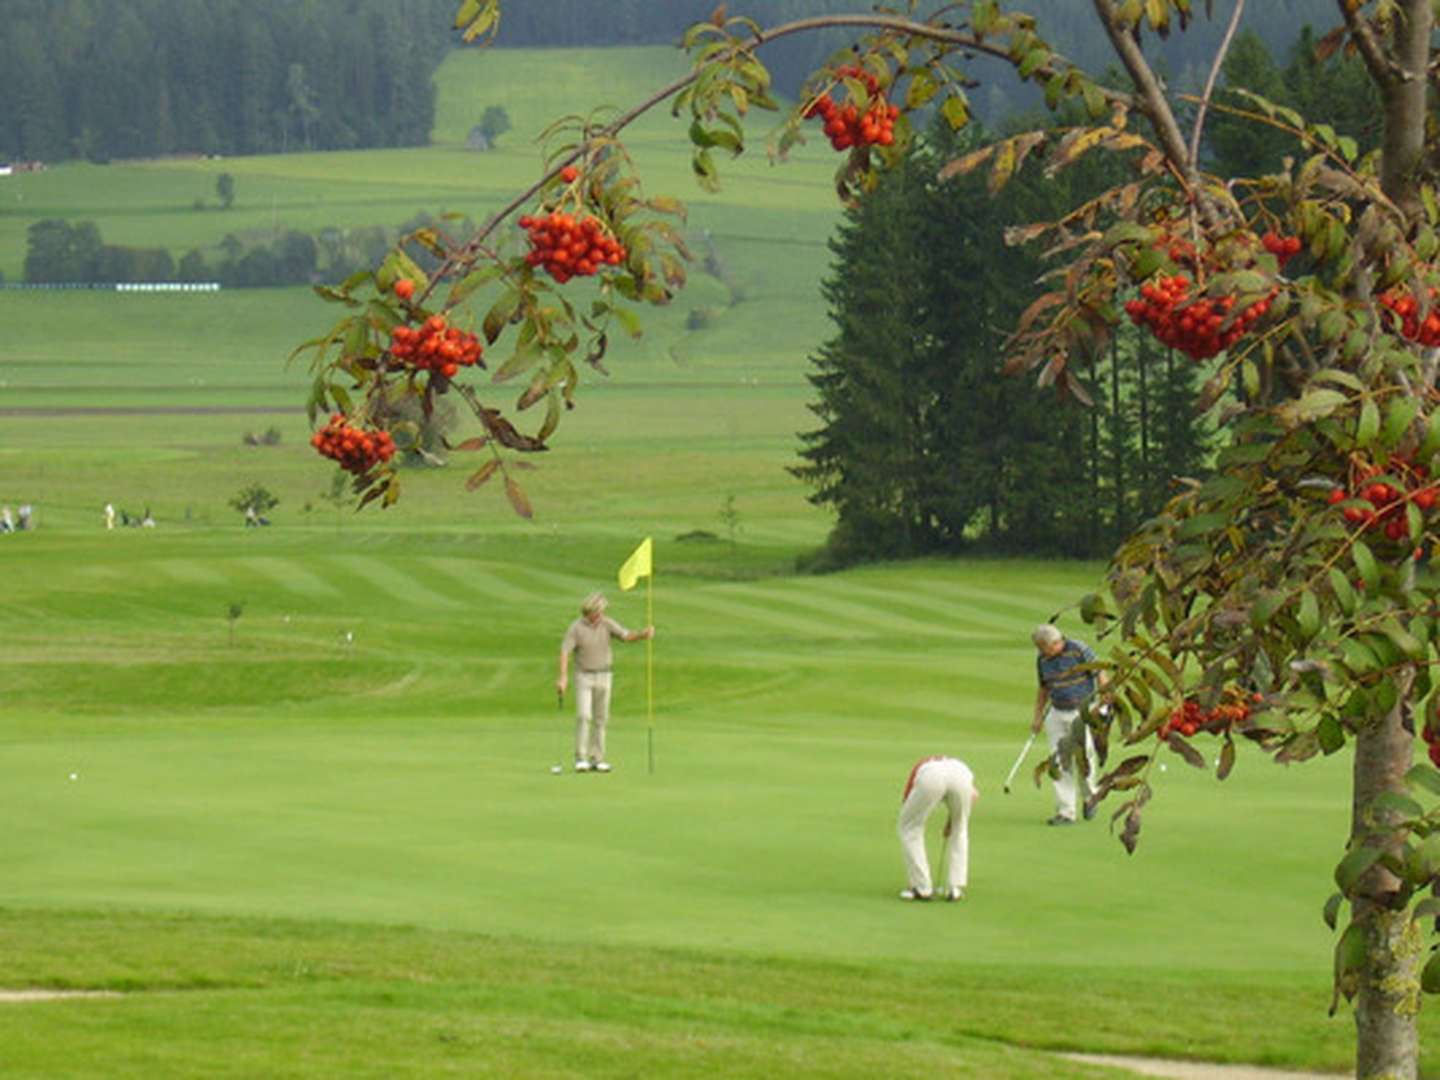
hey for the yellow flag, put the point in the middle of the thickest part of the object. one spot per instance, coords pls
(636, 566)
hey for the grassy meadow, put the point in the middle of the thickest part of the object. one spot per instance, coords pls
(286, 792)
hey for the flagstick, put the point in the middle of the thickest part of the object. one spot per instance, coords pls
(650, 666)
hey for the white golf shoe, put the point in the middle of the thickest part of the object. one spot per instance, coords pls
(912, 894)
(954, 893)
(582, 766)
(601, 766)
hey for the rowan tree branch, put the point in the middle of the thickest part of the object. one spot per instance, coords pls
(1150, 99)
(1382, 69)
(1402, 147)
(1215, 66)
(960, 39)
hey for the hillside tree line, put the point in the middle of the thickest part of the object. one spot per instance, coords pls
(105, 79)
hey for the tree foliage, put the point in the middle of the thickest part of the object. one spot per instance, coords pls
(1289, 600)
(923, 448)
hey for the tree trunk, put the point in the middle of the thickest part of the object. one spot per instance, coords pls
(1387, 999)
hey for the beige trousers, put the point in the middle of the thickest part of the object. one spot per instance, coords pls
(592, 713)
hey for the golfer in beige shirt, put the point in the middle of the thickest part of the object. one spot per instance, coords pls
(588, 637)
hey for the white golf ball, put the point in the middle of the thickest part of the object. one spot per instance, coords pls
(1162, 766)
(553, 769)
(74, 776)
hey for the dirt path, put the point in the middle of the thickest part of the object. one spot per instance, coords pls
(1196, 1070)
(54, 995)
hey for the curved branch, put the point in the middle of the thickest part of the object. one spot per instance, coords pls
(1153, 103)
(1380, 66)
(1215, 66)
(960, 39)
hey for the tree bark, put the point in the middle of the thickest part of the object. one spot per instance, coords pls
(1387, 999)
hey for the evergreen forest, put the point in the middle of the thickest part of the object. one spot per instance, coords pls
(920, 448)
(108, 79)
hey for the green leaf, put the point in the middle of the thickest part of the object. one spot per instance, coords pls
(1358, 658)
(1430, 975)
(956, 111)
(1405, 641)
(1309, 615)
(499, 314)
(1353, 866)
(1365, 563)
(1263, 609)
(1332, 909)
(1431, 443)
(1338, 375)
(467, 285)
(1424, 776)
(1369, 425)
(1343, 590)
(1398, 418)
(923, 86)
(1330, 734)
(1227, 759)
(1202, 525)
(1350, 953)
(1318, 403)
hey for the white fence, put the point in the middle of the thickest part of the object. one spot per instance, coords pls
(121, 286)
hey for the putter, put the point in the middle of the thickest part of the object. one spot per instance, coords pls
(558, 768)
(1016, 767)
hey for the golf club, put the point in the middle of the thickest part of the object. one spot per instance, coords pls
(558, 768)
(1016, 767)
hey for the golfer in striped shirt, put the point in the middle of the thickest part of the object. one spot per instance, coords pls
(1066, 686)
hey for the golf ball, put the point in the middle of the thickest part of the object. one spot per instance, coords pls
(553, 769)
(74, 776)
(1162, 766)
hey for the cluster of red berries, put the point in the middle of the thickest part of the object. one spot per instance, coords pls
(435, 345)
(568, 247)
(356, 450)
(1412, 327)
(846, 125)
(1284, 248)
(1191, 718)
(1376, 504)
(1199, 328)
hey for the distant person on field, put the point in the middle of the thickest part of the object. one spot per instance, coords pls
(1061, 701)
(934, 780)
(7, 523)
(26, 512)
(109, 516)
(588, 637)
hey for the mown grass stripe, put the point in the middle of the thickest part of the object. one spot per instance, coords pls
(483, 580)
(394, 582)
(189, 571)
(959, 619)
(291, 575)
(869, 615)
(693, 603)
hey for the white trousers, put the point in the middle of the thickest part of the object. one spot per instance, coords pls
(942, 779)
(592, 713)
(1069, 789)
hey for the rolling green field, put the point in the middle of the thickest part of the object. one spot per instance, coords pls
(287, 791)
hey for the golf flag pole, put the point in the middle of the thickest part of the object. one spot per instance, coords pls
(641, 564)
